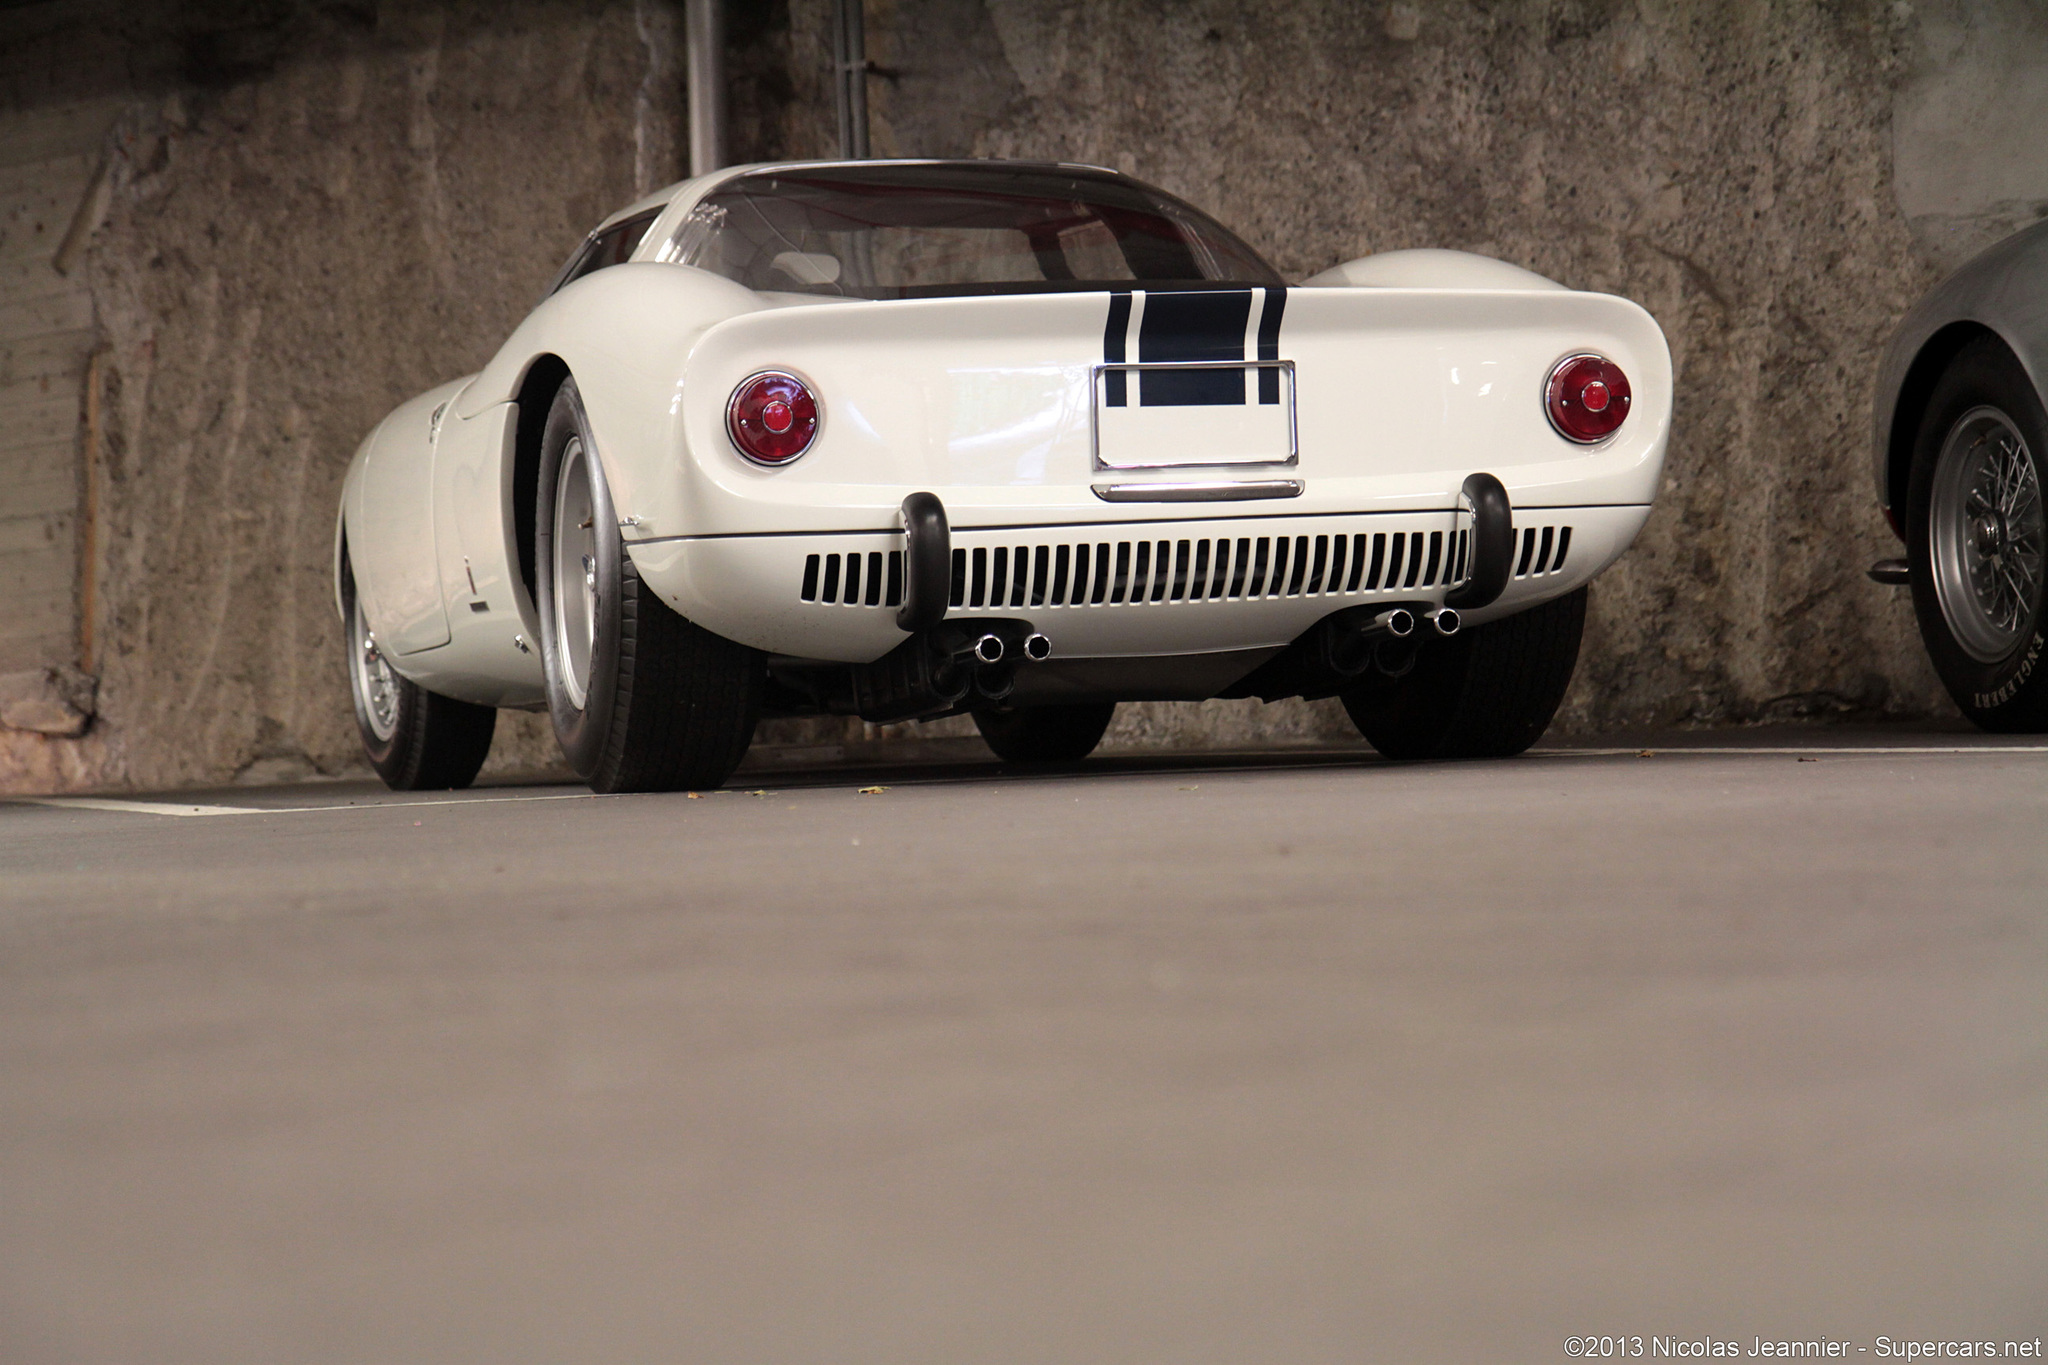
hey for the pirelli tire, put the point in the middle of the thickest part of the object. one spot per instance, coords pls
(1487, 692)
(1045, 734)
(1977, 538)
(415, 739)
(641, 698)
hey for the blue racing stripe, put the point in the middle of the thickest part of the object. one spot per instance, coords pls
(1269, 343)
(1114, 383)
(1203, 324)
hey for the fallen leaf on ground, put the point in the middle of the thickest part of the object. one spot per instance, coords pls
(872, 791)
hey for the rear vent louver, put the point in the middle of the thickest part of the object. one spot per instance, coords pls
(1543, 550)
(1116, 573)
(1131, 572)
(856, 580)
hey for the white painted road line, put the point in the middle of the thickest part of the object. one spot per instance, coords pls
(130, 807)
(442, 801)
(1280, 761)
(167, 808)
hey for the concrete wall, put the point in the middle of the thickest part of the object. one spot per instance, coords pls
(50, 163)
(315, 214)
(317, 210)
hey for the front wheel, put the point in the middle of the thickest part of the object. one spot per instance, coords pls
(641, 699)
(416, 740)
(1487, 692)
(1045, 734)
(1976, 536)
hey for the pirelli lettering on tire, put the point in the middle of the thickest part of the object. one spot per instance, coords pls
(2017, 680)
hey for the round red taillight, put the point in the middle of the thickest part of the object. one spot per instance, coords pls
(772, 418)
(1587, 399)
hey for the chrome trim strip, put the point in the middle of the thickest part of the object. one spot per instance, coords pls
(1217, 490)
(1095, 404)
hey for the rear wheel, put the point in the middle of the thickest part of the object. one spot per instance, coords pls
(1486, 692)
(1045, 734)
(416, 740)
(1976, 533)
(641, 699)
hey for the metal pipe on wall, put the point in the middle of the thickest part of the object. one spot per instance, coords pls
(850, 73)
(704, 37)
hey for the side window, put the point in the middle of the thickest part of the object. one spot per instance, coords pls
(613, 246)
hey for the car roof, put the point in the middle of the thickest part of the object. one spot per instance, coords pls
(685, 192)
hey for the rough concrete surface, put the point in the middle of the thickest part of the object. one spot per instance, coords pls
(1230, 1060)
(318, 210)
(1970, 167)
(314, 217)
(46, 701)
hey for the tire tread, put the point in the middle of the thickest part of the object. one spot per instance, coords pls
(1045, 734)
(685, 703)
(1488, 692)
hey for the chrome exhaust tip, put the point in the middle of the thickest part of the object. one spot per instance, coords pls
(1037, 648)
(1399, 623)
(988, 649)
(1445, 619)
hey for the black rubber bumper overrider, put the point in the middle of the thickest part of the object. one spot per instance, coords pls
(1493, 544)
(928, 559)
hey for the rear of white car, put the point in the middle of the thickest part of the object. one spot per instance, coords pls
(1016, 440)
(1323, 475)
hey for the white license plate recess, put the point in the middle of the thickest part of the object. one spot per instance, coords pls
(1136, 434)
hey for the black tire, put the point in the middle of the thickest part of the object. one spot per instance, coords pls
(1045, 734)
(416, 740)
(659, 703)
(1989, 654)
(1486, 692)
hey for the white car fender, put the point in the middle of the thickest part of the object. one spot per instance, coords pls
(390, 527)
(625, 334)
(429, 506)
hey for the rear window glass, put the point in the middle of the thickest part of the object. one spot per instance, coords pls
(614, 246)
(884, 232)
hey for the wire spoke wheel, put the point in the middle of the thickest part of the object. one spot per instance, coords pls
(1988, 535)
(376, 685)
(416, 740)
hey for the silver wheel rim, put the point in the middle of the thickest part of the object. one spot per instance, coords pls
(1987, 534)
(376, 685)
(575, 572)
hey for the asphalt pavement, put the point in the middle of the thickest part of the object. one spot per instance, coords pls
(1289, 1057)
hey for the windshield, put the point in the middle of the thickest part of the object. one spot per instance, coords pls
(894, 232)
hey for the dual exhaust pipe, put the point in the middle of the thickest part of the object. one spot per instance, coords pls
(985, 661)
(1354, 641)
(990, 649)
(1400, 622)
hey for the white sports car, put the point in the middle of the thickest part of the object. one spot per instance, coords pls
(909, 439)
